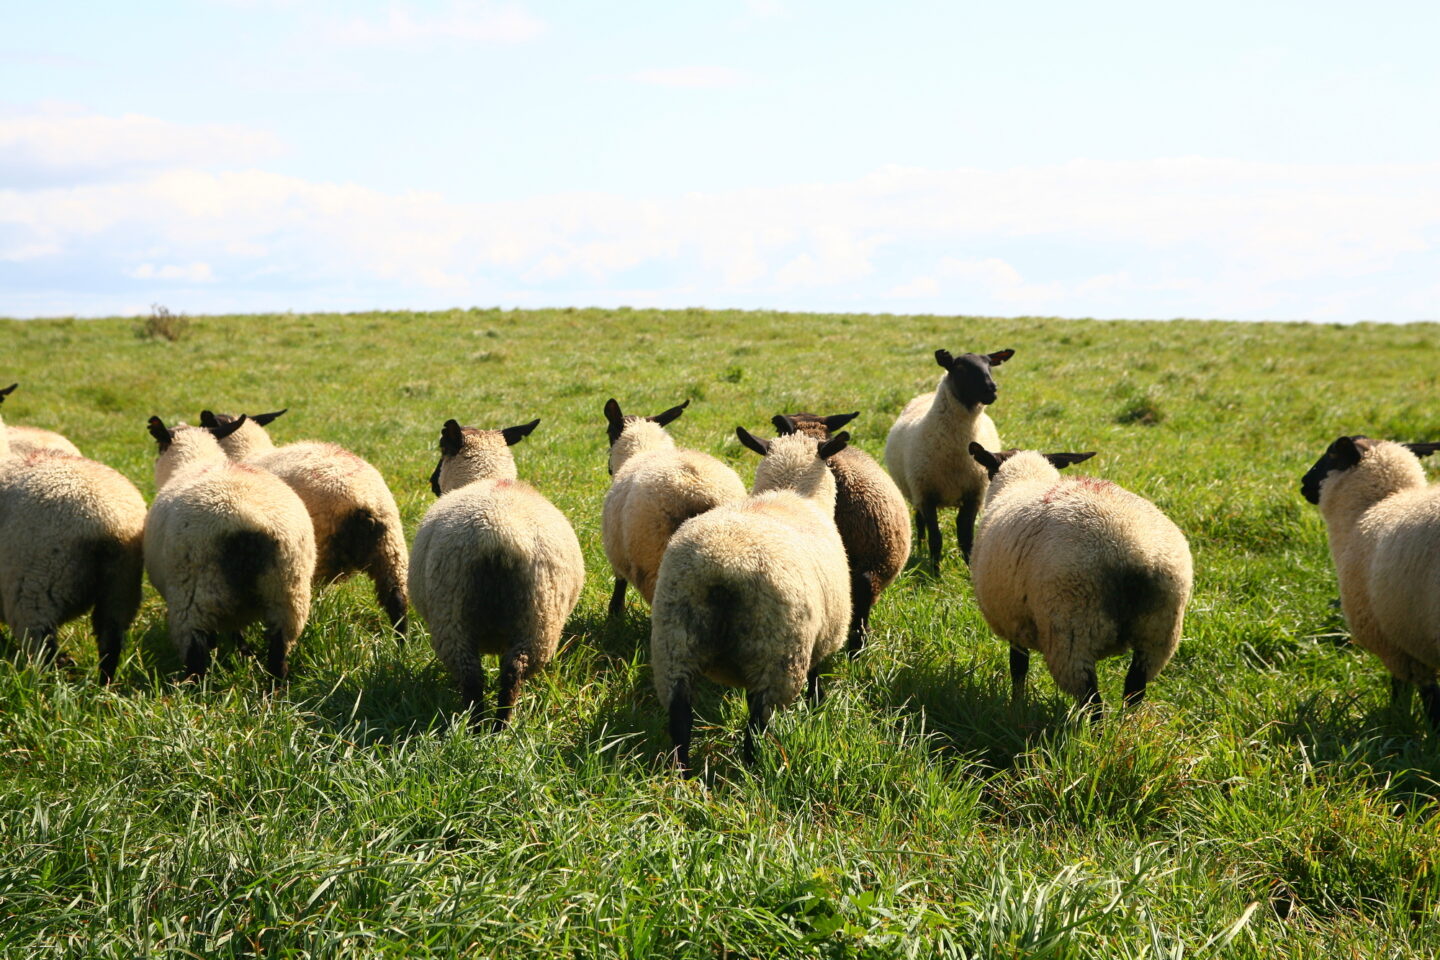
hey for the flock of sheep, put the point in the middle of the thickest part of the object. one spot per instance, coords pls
(754, 591)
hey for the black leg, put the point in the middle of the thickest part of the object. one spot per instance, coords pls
(932, 527)
(760, 710)
(197, 653)
(813, 690)
(1430, 697)
(396, 610)
(681, 722)
(617, 599)
(1091, 699)
(277, 654)
(512, 675)
(1399, 693)
(965, 525)
(861, 599)
(1135, 680)
(472, 695)
(1019, 667)
(108, 639)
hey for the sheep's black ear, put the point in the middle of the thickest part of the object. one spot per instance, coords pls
(208, 420)
(451, 438)
(985, 458)
(514, 435)
(837, 420)
(1347, 451)
(833, 446)
(221, 431)
(753, 442)
(160, 433)
(944, 358)
(784, 425)
(1421, 449)
(670, 415)
(7, 391)
(1062, 460)
(264, 419)
(435, 477)
(998, 358)
(615, 419)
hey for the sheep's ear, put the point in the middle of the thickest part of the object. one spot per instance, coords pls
(162, 435)
(208, 420)
(7, 391)
(1347, 451)
(435, 477)
(514, 435)
(1421, 449)
(837, 420)
(452, 437)
(264, 419)
(986, 459)
(833, 446)
(998, 358)
(944, 358)
(753, 442)
(1062, 460)
(670, 415)
(784, 425)
(615, 419)
(224, 430)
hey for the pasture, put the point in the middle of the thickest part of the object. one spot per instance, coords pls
(1266, 800)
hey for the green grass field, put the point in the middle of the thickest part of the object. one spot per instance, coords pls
(1266, 800)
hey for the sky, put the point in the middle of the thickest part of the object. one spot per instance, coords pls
(1234, 160)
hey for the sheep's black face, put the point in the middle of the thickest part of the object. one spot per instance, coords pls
(970, 380)
(1343, 454)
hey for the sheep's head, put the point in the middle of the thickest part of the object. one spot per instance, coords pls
(243, 443)
(186, 446)
(992, 461)
(969, 379)
(468, 454)
(7, 391)
(1344, 454)
(810, 424)
(631, 428)
(796, 462)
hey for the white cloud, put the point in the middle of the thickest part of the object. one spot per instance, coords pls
(193, 272)
(401, 25)
(700, 77)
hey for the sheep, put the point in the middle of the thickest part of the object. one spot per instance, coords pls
(496, 567)
(655, 489)
(1383, 524)
(70, 542)
(869, 513)
(926, 449)
(23, 440)
(754, 593)
(226, 544)
(1078, 570)
(357, 524)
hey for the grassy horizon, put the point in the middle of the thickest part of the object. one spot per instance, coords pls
(1265, 801)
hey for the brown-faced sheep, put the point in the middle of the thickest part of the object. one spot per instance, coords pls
(496, 567)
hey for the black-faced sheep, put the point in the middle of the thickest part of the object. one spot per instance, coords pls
(1078, 569)
(754, 593)
(869, 513)
(23, 440)
(927, 450)
(1383, 522)
(496, 567)
(226, 544)
(655, 488)
(357, 524)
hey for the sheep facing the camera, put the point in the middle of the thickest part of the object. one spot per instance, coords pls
(1078, 569)
(927, 449)
(1383, 524)
(23, 440)
(754, 593)
(869, 513)
(496, 568)
(655, 488)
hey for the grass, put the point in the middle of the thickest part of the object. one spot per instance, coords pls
(1267, 801)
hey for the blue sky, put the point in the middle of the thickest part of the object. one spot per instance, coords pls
(1254, 161)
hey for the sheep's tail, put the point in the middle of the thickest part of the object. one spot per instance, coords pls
(245, 557)
(1142, 602)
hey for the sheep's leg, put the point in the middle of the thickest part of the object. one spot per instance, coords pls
(965, 525)
(396, 606)
(41, 643)
(197, 653)
(617, 598)
(1430, 697)
(514, 667)
(1091, 697)
(109, 637)
(1399, 693)
(1135, 680)
(681, 723)
(861, 600)
(932, 529)
(755, 726)
(813, 690)
(1019, 668)
(277, 652)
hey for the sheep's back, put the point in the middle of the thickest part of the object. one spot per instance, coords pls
(870, 516)
(1400, 569)
(28, 440)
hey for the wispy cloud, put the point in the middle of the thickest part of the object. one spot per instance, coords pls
(696, 76)
(462, 22)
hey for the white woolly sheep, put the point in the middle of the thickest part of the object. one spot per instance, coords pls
(655, 488)
(496, 567)
(23, 440)
(70, 542)
(754, 593)
(869, 513)
(1079, 570)
(1383, 523)
(226, 544)
(357, 524)
(926, 450)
